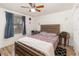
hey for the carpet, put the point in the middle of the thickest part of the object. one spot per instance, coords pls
(60, 51)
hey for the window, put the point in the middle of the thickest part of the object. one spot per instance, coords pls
(17, 24)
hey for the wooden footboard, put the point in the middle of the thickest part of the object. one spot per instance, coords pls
(25, 50)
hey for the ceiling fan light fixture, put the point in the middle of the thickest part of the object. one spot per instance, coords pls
(33, 10)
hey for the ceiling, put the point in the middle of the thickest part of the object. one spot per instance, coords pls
(48, 8)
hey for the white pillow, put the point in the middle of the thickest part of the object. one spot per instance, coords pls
(43, 33)
(48, 34)
(52, 34)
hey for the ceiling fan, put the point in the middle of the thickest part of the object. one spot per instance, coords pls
(34, 7)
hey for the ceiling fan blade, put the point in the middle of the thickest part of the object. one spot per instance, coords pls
(38, 10)
(41, 6)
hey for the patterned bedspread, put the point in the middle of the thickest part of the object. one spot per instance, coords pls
(47, 37)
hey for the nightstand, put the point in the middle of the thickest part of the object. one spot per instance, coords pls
(64, 36)
(33, 32)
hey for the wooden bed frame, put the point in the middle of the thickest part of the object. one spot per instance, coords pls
(54, 28)
(24, 50)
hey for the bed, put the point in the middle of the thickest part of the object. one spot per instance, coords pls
(42, 44)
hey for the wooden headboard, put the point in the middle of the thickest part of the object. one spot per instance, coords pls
(53, 28)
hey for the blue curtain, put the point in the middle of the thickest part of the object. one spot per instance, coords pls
(9, 29)
(24, 26)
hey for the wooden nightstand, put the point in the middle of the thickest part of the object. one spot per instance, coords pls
(65, 36)
(34, 32)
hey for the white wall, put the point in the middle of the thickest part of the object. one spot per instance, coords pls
(76, 30)
(29, 24)
(6, 42)
(63, 18)
(2, 25)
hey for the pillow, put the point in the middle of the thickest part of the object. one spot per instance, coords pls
(48, 34)
(43, 33)
(52, 34)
